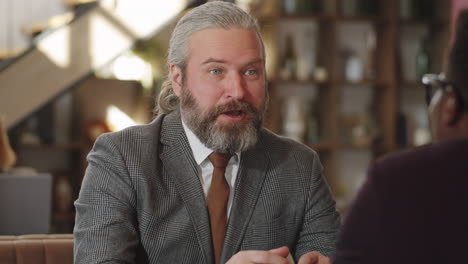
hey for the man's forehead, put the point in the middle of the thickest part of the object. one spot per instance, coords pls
(223, 61)
(222, 45)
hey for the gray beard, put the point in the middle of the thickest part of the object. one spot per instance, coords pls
(228, 138)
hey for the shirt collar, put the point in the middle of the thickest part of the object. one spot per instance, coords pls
(200, 151)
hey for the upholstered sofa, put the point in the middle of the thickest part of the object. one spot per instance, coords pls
(36, 249)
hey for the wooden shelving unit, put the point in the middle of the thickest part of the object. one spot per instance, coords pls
(48, 147)
(56, 139)
(338, 98)
(65, 162)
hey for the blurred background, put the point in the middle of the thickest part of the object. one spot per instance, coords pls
(343, 77)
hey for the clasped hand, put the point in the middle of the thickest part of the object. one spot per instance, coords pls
(276, 256)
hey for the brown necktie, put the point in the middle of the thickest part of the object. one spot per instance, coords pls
(218, 197)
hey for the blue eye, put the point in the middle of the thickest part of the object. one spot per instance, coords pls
(215, 71)
(251, 72)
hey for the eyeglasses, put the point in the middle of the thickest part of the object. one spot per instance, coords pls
(433, 82)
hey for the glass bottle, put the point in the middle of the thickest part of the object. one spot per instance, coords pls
(289, 6)
(312, 124)
(422, 58)
(316, 6)
(309, 6)
(293, 118)
(371, 63)
(289, 60)
(63, 193)
(422, 9)
(348, 7)
(406, 9)
(368, 7)
(353, 69)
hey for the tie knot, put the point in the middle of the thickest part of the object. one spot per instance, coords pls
(219, 160)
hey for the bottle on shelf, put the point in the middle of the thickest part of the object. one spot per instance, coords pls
(401, 135)
(348, 7)
(368, 7)
(294, 118)
(288, 69)
(422, 58)
(307, 55)
(320, 74)
(309, 6)
(371, 47)
(63, 193)
(353, 70)
(406, 12)
(289, 7)
(316, 6)
(312, 124)
(422, 9)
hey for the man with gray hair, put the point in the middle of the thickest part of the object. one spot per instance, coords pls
(204, 182)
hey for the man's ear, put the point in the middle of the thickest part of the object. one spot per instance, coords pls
(176, 79)
(449, 109)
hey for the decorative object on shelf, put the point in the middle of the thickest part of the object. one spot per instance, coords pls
(307, 51)
(348, 7)
(357, 130)
(46, 124)
(312, 123)
(289, 6)
(358, 7)
(288, 69)
(401, 131)
(318, 6)
(320, 74)
(406, 9)
(421, 136)
(371, 63)
(29, 135)
(353, 70)
(422, 9)
(309, 6)
(411, 46)
(294, 118)
(422, 58)
(368, 7)
(63, 193)
(95, 128)
(63, 112)
(7, 155)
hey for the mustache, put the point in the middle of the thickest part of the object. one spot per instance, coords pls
(235, 105)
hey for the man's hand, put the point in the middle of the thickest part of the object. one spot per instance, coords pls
(274, 256)
(314, 257)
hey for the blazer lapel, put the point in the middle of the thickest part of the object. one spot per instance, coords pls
(252, 171)
(178, 160)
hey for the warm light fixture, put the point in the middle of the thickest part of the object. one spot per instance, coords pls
(57, 47)
(143, 17)
(106, 41)
(117, 119)
(130, 67)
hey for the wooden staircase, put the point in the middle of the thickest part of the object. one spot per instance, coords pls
(68, 51)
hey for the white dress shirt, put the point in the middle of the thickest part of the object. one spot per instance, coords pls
(205, 168)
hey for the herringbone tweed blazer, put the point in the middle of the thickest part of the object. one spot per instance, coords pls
(141, 200)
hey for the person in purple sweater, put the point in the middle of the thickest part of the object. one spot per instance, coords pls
(412, 207)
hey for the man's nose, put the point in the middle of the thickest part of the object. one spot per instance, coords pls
(236, 87)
